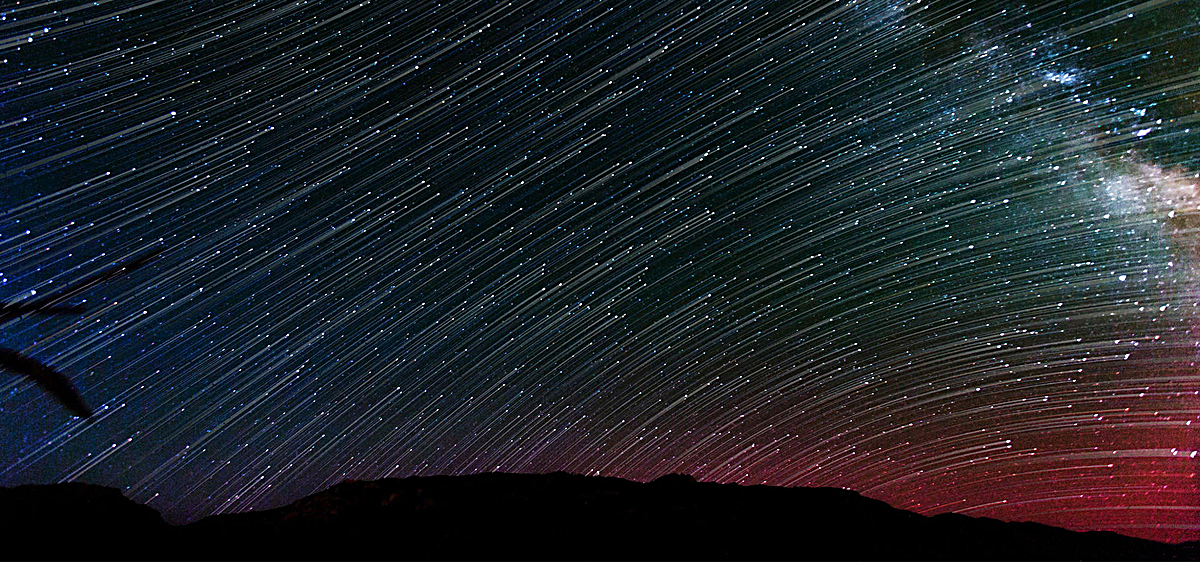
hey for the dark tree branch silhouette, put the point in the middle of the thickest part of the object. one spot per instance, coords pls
(52, 381)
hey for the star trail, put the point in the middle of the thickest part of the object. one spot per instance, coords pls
(945, 253)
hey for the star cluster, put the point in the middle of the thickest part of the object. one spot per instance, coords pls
(941, 252)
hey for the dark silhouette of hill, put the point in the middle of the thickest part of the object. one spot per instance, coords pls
(73, 521)
(544, 516)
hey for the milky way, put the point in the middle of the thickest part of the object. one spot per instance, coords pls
(944, 253)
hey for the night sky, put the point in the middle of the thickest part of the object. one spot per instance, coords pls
(945, 253)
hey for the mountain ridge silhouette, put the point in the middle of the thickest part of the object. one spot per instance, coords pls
(544, 516)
